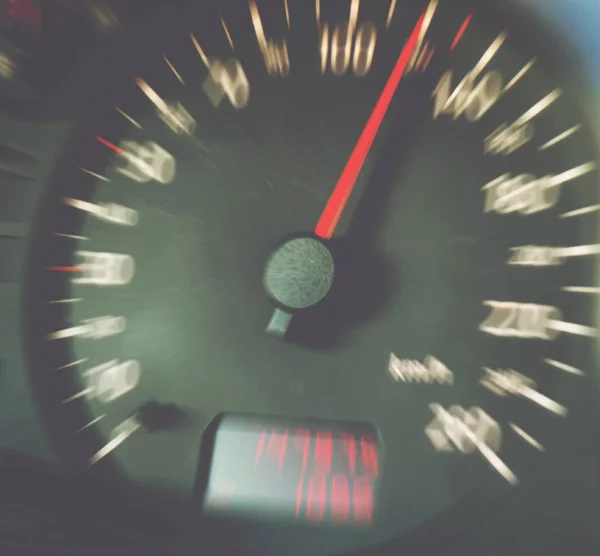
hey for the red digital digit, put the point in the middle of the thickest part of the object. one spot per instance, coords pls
(349, 447)
(302, 442)
(323, 451)
(362, 499)
(340, 498)
(259, 447)
(299, 494)
(277, 445)
(315, 501)
(369, 456)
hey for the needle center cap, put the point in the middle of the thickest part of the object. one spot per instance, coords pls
(299, 273)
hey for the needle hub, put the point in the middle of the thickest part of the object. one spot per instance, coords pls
(299, 273)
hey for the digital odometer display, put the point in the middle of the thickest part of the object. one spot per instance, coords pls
(278, 468)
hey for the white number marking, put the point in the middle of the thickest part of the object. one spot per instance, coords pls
(473, 98)
(521, 320)
(525, 194)
(227, 80)
(470, 98)
(174, 115)
(342, 43)
(507, 139)
(275, 54)
(117, 214)
(98, 327)
(447, 430)
(536, 255)
(468, 430)
(119, 434)
(110, 212)
(431, 370)
(509, 382)
(111, 380)
(364, 49)
(102, 327)
(147, 162)
(178, 119)
(105, 269)
(341, 49)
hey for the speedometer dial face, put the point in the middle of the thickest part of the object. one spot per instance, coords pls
(371, 211)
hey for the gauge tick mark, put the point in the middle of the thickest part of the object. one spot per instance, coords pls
(390, 13)
(64, 268)
(94, 173)
(581, 211)
(72, 364)
(128, 118)
(77, 396)
(199, 50)
(564, 367)
(581, 289)
(69, 236)
(172, 68)
(287, 13)
(560, 137)
(461, 32)
(91, 423)
(110, 145)
(519, 75)
(538, 107)
(527, 437)
(227, 33)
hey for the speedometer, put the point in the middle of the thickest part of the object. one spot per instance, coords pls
(379, 212)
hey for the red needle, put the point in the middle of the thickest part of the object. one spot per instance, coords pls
(337, 201)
